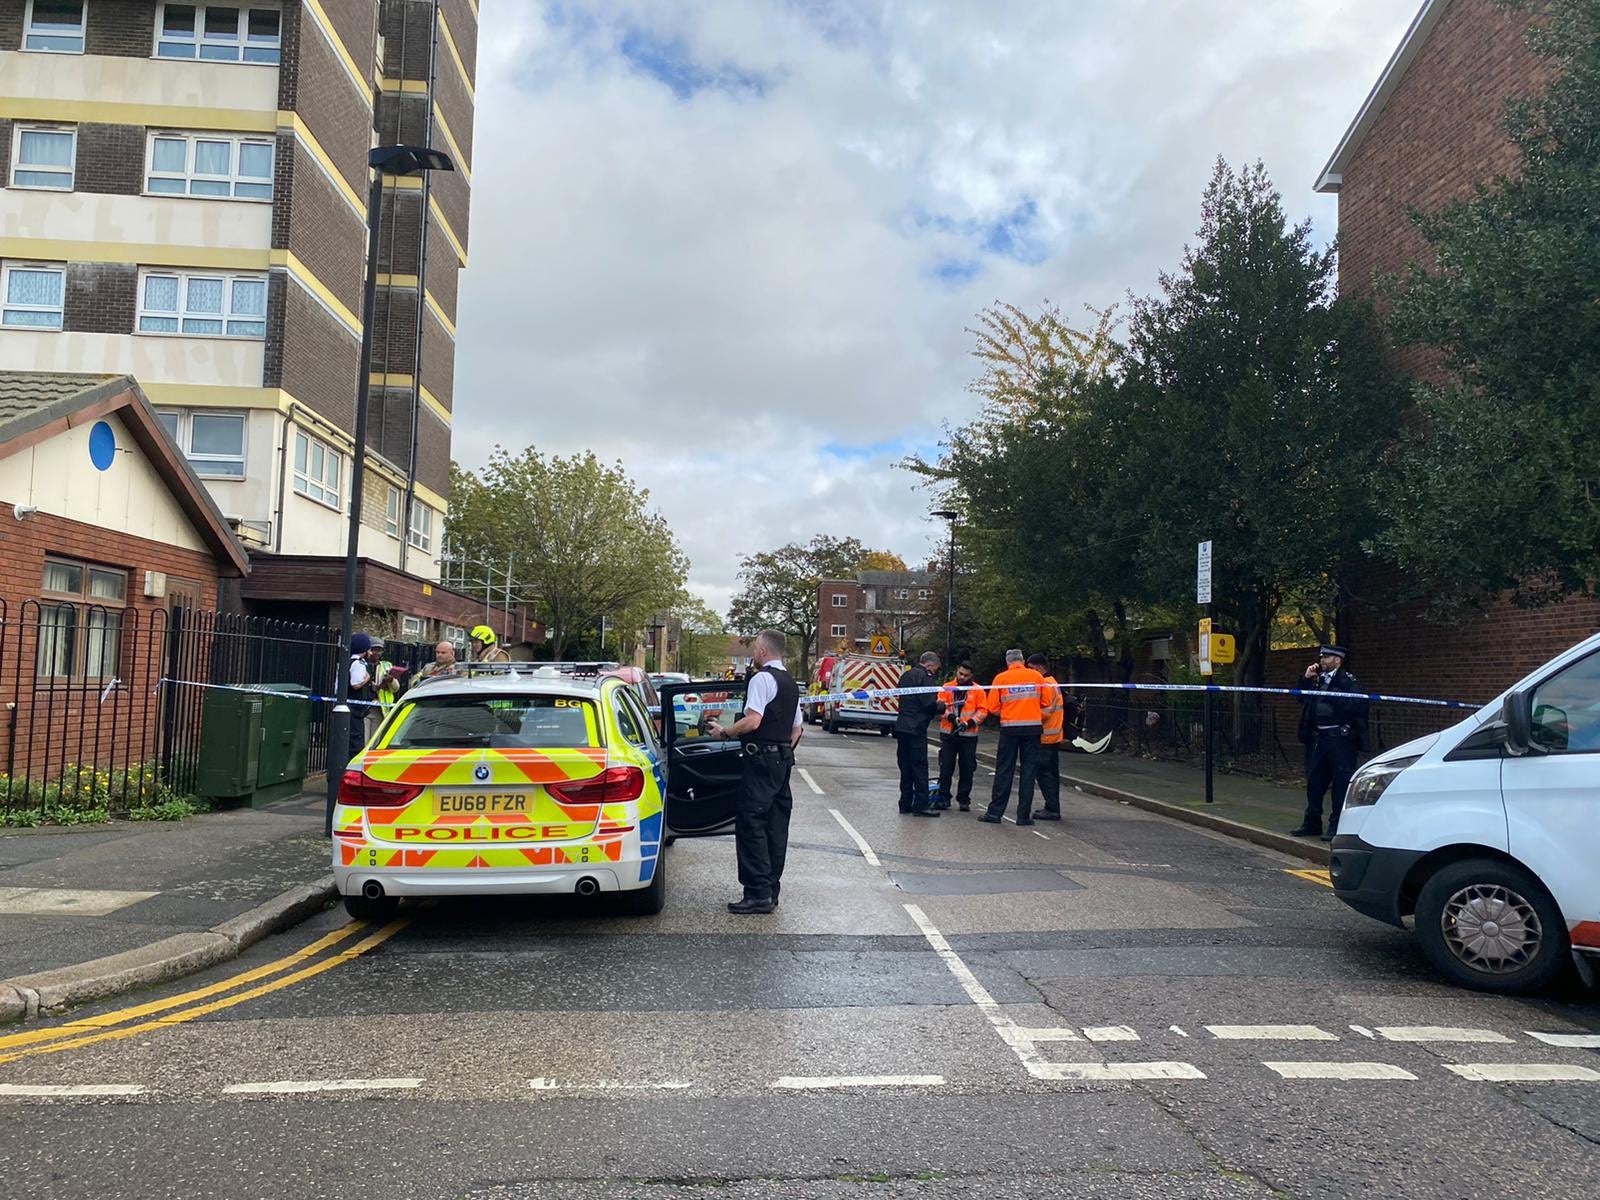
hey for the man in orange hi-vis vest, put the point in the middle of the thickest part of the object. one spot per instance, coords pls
(1052, 731)
(964, 713)
(1015, 694)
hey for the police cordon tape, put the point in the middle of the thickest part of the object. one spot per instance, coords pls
(885, 693)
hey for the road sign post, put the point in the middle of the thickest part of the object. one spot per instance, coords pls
(1202, 595)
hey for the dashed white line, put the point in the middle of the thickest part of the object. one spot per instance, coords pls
(543, 1084)
(1524, 1072)
(1110, 1033)
(1036, 833)
(824, 1082)
(1109, 1072)
(1177, 1031)
(71, 1089)
(1015, 1035)
(1439, 1033)
(861, 842)
(810, 782)
(1338, 1070)
(1578, 1041)
(1271, 1033)
(285, 1087)
(1363, 1031)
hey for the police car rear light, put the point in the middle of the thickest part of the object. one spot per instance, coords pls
(612, 786)
(362, 791)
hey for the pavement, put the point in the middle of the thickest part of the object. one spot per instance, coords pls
(1119, 1005)
(93, 910)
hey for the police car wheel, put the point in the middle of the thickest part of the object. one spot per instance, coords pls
(1491, 926)
(647, 901)
(362, 909)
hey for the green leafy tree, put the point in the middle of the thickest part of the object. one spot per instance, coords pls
(703, 639)
(580, 537)
(778, 588)
(1496, 485)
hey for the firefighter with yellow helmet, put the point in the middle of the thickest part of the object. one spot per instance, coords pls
(485, 647)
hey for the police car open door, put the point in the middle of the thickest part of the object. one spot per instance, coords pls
(702, 772)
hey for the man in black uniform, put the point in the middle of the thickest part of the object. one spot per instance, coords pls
(911, 735)
(769, 730)
(1334, 730)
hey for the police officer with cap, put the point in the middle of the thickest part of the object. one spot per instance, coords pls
(769, 731)
(1334, 731)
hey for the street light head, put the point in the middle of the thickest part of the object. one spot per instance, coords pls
(945, 514)
(408, 160)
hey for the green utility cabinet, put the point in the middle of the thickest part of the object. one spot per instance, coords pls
(253, 743)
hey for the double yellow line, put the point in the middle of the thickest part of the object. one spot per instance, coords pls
(113, 1026)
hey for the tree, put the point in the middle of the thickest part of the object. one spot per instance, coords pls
(703, 636)
(779, 588)
(1496, 485)
(881, 560)
(580, 538)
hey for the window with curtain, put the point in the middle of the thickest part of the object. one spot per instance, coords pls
(55, 26)
(80, 620)
(216, 166)
(32, 295)
(203, 304)
(43, 157)
(219, 33)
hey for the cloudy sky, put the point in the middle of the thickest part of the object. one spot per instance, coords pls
(737, 243)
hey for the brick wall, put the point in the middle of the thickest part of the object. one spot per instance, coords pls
(320, 358)
(272, 355)
(444, 268)
(433, 452)
(1440, 133)
(407, 33)
(828, 616)
(464, 28)
(455, 104)
(353, 22)
(11, 25)
(438, 360)
(290, 27)
(397, 249)
(323, 231)
(453, 195)
(110, 159)
(374, 500)
(389, 424)
(394, 330)
(100, 297)
(327, 100)
(402, 118)
(121, 27)
(5, 153)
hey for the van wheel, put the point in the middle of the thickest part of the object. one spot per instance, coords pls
(362, 909)
(1491, 926)
(647, 901)
(828, 726)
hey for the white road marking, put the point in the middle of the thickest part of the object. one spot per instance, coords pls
(1036, 833)
(1363, 1031)
(821, 1082)
(66, 902)
(607, 1085)
(810, 782)
(1271, 1033)
(861, 842)
(1109, 1072)
(1338, 1070)
(71, 1089)
(1110, 1033)
(1524, 1072)
(285, 1087)
(1578, 1041)
(1439, 1033)
(1177, 1031)
(1016, 1035)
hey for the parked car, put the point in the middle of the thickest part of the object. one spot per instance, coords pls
(1487, 836)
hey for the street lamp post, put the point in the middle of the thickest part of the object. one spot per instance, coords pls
(947, 514)
(383, 160)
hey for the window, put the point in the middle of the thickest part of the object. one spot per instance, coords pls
(627, 723)
(421, 532)
(42, 156)
(54, 25)
(838, 631)
(214, 165)
(218, 33)
(316, 470)
(923, 593)
(902, 594)
(840, 600)
(31, 295)
(1566, 709)
(456, 635)
(411, 629)
(203, 305)
(80, 620)
(213, 442)
(391, 513)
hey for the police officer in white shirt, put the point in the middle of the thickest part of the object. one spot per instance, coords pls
(769, 731)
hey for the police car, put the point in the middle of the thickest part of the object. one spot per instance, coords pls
(510, 779)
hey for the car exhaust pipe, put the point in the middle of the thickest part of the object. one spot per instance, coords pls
(372, 890)
(588, 885)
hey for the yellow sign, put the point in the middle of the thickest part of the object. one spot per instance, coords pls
(1222, 650)
(427, 589)
(881, 645)
(1205, 626)
(1205, 645)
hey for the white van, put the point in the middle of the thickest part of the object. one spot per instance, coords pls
(1488, 834)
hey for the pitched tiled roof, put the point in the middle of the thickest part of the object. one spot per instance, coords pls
(29, 399)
